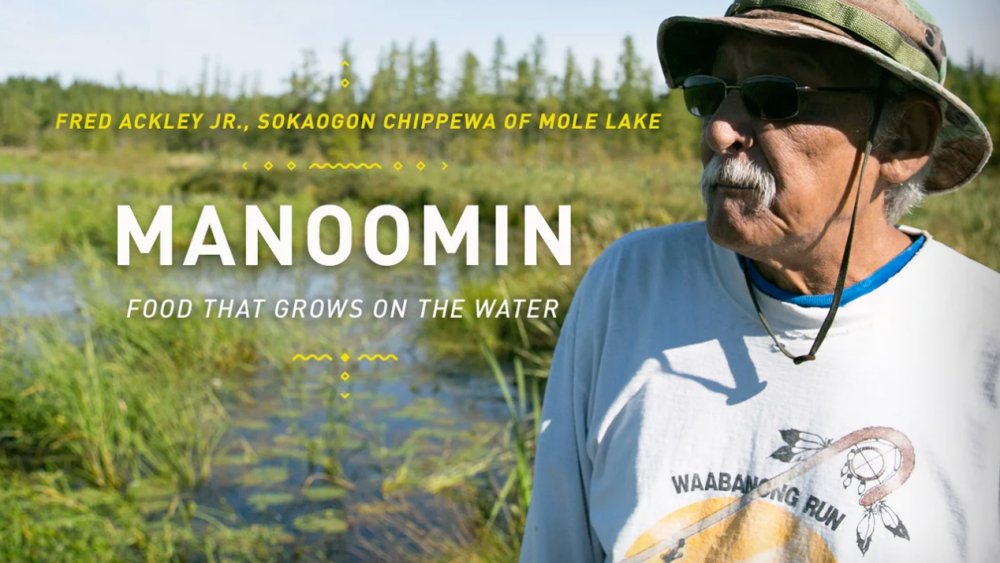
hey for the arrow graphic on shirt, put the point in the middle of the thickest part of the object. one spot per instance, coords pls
(669, 548)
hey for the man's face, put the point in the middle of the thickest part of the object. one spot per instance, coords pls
(807, 162)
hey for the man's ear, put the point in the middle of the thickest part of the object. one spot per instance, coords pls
(918, 125)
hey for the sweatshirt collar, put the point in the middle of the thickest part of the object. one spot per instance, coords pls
(851, 293)
(791, 317)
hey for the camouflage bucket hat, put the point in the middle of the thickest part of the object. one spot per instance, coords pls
(898, 35)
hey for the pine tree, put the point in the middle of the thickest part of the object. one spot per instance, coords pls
(628, 78)
(344, 145)
(524, 85)
(572, 84)
(430, 77)
(538, 67)
(497, 68)
(597, 97)
(410, 81)
(468, 86)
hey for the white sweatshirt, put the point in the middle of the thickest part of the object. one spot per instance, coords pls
(671, 418)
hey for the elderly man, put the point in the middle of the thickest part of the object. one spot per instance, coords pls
(797, 378)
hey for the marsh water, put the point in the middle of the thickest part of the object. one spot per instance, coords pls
(319, 450)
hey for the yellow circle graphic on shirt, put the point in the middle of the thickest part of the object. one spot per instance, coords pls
(760, 533)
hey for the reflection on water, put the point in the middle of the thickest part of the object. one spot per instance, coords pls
(306, 450)
(45, 293)
(7, 179)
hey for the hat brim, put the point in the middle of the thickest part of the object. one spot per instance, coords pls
(687, 45)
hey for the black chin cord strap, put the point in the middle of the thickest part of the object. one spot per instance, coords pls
(842, 276)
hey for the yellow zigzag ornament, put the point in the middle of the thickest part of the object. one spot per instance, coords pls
(348, 165)
(311, 357)
(378, 357)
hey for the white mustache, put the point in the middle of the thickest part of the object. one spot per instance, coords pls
(738, 173)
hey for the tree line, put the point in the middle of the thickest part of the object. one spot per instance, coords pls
(405, 81)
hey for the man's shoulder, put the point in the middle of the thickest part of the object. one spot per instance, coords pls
(636, 267)
(950, 269)
(656, 243)
(655, 255)
(961, 286)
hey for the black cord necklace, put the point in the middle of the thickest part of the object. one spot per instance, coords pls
(842, 275)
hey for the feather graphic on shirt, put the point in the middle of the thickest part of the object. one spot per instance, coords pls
(867, 526)
(869, 463)
(799, 445)
(865, 530)
(878, 457)
(892, 522)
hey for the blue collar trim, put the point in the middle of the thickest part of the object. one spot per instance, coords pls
(851, 293)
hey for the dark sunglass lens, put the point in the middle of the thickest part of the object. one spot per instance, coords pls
(771, 97)
(703, 94)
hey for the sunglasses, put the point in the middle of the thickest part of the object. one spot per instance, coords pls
(771, 98)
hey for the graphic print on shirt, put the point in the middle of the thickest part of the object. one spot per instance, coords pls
(736, 529)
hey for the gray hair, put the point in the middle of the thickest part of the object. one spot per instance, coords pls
(899, 199)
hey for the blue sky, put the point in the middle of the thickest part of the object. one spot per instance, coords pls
(160, 42)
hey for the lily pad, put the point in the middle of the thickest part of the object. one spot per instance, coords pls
(422, 409)
(325, 522)
(284, 453)
(312, 385)
(264, 476)
(149, 489)
(384, 402)
(264, 500)
(285, 538)
(328, 427)
(286, 440)
(252, 424)
(318, 494)
(236, 460)
(481, 427)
